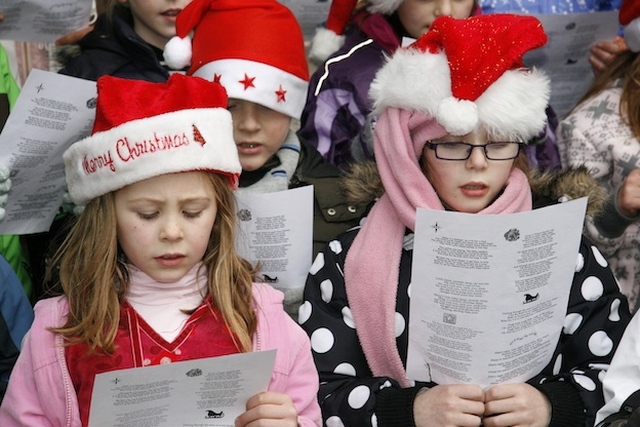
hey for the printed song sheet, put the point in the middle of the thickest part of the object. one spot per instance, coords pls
(52, 112)
(565, 57)
(194, 393)
(276, 229)
(489, 293)
(42, 21)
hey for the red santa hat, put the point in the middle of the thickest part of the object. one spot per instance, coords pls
(254, 48)
(630, 19)
(144, 129)
(330, 38)
(469, 72)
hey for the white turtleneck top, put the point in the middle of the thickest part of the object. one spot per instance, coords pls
(160, 304)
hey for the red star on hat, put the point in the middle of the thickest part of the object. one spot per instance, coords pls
(247, 81)
(281, 94)
(217, 78)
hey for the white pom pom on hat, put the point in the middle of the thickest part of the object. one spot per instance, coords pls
(177, 52)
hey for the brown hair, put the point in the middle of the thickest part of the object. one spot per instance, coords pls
(627, 68)
(93, 274)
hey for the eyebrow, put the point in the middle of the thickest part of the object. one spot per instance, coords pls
(161, 201)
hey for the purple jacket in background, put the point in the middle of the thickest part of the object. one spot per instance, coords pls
(337, 102)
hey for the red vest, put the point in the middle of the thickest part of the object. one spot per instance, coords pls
(138, 345)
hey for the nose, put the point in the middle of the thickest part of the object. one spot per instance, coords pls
(248, 119)
(477, 159)
(443, 8)
(171, 230)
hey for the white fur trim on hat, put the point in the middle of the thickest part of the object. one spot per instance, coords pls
(142, 149)
(323, 44)
(632, 35)
(513, 106)
(385, 7)
(177, 52)
(260, 83)
(457, 116)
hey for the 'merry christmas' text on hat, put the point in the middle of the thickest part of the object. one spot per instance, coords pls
(144, 129)
(254, 48)
(469, 72)
(330, 38)
(630, 19)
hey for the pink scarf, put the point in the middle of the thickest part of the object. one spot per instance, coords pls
(373, 261)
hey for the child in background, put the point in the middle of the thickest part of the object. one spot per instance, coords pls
(603, 133)
(127, 41)
(16, 315)
(338, 105)
(255, 49)
(149, 271)
(11, 247)
(454, 110)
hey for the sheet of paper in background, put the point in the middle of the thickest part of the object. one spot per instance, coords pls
(42, 21)
(309, 13)
(203, 392)
(276, 229)
(489, 293)
(565, 57)
(52, 112)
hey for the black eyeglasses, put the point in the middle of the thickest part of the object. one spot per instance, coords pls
(493, 150)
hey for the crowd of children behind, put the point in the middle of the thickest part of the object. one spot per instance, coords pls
(403, 94)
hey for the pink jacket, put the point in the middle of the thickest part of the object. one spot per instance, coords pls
(40, 391)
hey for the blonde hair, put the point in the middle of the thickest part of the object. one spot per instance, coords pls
(92, 272)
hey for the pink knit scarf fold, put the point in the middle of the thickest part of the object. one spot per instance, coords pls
(373, 261)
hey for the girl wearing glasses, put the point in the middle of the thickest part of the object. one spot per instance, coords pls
(453, 112)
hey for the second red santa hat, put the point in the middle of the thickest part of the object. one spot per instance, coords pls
(254, 48)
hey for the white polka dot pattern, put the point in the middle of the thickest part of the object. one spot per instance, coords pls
(304, 312)
(572, 322)
(600, 344)
(345, 369)
(322, 340)
(318, 263)
(592, 288)
(335, 246)
(600, 259)
(326, 290)
(359, 396)
(614, 312)
(347, 317)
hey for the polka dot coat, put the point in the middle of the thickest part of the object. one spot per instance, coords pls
(350, 396)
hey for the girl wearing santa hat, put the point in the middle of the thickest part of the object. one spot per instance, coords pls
(603, 133)
(349, 49)
(455, 109)
(255, 49)
(149, 271)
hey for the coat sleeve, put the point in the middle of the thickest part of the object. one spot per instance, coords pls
(597, 316)
(579, 147)
(16, 316)
(349, 395)
(333, 116)
(40, 394)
